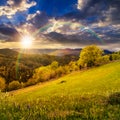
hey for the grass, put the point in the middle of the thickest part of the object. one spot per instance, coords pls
(93, 94)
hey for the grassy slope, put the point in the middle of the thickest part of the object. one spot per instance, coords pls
(101, 80)
(80, 95)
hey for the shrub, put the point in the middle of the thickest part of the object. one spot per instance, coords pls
(31, 82)
(60, 71)
(73, 66)
(52, 74)
(54, 65)
(2, 83)
(114, 99)
(66, 69)
(115, 56)
(14, 85)
(44, 73)
(102, 60)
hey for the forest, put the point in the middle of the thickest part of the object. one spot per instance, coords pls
(18, 70)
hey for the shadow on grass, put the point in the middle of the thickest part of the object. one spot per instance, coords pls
(114, 99)
(63, 81)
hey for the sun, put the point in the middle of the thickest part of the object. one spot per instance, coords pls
(26, 41)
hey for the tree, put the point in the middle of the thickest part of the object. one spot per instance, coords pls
(2, 83)
(89, 56)
(14, 85)
(54, 65)
(60, 71)
(73, 66)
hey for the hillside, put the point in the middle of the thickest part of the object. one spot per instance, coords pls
(101, 80)
(8, 52)
(56, 52)
(62, 52)
(11, 60)
(90, 94)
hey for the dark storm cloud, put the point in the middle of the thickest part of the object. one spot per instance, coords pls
(84, 39)
(17, 2)
(106, 10)
(10, 33)
(3, 37)
(38, 19)
(95, 10)
(102, 36)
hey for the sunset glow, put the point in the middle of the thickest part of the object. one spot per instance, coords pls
(26, 41)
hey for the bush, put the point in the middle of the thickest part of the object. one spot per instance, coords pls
(14, 85)
(44, 73)
(2, 83)
(102, 60)
(52, 74)
(114, 99)
(54, 65)
(115, 56)
(66, 69)
(73, 66)
(60, 71)
(30, 82)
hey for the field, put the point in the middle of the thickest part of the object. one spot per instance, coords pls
(92, 94)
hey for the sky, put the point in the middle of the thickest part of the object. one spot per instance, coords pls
(60, 23)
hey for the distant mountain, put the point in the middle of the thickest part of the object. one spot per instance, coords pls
(8, 52)
(67, 51)
(55, 52)
(108, 52)
(35, 51)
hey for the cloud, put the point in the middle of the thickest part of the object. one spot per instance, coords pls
(32, 25)
(111, 16)
(60, 23)
(31, 16)
(14, 6)
(25, 29)
(38, 19)
(3, 37)
(9, 45)
(104, 11)
(82, 3)
(9, 33)
(61, 26)
(82, 40)
(75, 33)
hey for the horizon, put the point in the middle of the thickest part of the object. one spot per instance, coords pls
(80, 48)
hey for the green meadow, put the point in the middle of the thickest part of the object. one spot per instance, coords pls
(91, 94)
